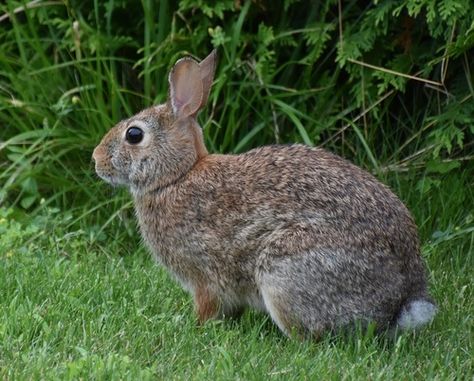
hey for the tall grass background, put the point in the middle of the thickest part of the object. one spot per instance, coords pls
(386, 84)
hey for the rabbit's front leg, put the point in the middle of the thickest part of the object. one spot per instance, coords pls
(206, 304)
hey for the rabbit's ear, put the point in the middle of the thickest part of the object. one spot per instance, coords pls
(186, 88)
(208, 67)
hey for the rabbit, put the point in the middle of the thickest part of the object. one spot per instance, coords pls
(291, 230)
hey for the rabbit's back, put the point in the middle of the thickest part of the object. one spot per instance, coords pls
(285, 185)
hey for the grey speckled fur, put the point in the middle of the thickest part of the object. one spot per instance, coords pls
(295, 231)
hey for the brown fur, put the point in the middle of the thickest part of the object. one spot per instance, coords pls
(295, 231)
(207, 304)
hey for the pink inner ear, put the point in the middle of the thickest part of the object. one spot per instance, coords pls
(186, 89)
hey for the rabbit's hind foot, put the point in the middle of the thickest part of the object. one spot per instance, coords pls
(206, 304)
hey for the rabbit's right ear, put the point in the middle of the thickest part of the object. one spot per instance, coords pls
(186, 88)
(208, 68)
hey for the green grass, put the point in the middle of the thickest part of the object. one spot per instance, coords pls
(77, 304)
(81, 299)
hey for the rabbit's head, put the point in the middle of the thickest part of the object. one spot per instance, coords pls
(160, 144)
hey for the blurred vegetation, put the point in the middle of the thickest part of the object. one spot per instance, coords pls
(387, 84)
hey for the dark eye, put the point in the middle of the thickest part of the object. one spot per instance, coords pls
(134, 135)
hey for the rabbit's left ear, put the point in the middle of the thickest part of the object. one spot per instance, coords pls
(190, 84)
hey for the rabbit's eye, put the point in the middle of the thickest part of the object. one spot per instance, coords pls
(134, 135)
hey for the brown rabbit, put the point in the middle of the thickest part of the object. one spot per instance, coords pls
(294, 231)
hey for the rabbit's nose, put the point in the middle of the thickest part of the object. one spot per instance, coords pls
(96, 155)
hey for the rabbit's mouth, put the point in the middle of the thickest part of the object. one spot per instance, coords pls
(113, 179)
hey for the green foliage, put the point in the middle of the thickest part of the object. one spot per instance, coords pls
(69, 71)
(12, 233)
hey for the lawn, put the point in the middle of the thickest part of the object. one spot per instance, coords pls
(83, 304)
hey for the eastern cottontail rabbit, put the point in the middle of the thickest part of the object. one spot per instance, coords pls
(295, 231)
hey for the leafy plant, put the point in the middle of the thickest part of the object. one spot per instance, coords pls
(387, 84)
